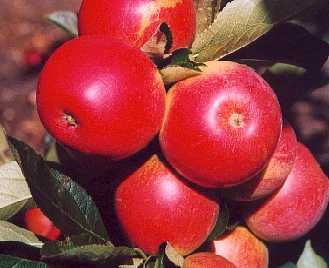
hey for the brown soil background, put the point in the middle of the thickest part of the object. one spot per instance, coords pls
(23, 28)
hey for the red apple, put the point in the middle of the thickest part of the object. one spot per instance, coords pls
(297, 206)
(100, 96)
(40, 224)
(136, 21)
(155, 205)
(222, 126)
(242, 248)
(275, 173)
(207, 260)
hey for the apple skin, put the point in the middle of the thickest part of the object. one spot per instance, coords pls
(297, 206)
(222, 126)
(94, 97)
(207, 260)
(40, 224)
(275, 173)
(155, 205)
(242, 248)
(136, 21)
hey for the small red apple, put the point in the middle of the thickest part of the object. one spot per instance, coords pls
(100, 96)
(242, 248)
(275, 173)
(33, 58)
(222, 126)
(136, 21)
(155, 205)
(297, 206)
(40, 224)
(207, 260)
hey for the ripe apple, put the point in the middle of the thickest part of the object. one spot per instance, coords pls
(136, 21)
(275, 173)
(242, 248)
(207, 260)
(40, 224)
(222, 126)
(155, 205)
(100, 96)
(297, 206)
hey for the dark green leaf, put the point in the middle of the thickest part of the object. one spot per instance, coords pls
(166, 258)
(62, 200)
(288, 265)
(241, 22)
(20, 250)
(283, 44)
(181, 57)
(179, 66)
(221, 224)
(66, 20)
(291, 83)
(7, 261)
(82, 249)
(160, 258)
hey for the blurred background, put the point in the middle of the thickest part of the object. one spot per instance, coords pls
(27, 39)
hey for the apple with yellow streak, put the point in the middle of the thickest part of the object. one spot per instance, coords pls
(242, 248)
(207, 260)
(136, 21)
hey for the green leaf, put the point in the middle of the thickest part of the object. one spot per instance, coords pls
(221, 224)
(66, 20)
(173, 74)
(174, 256)
(288, 265)
(5, 155)
(83, 249)
(167, 257)
(136, 263)
(11, 232)
(14, 190)
(310, 259)
(20, 250)
(205, 13)
(283, 45)
(241, 22)
(182, 57)
(7, 261)
(52, 155)
(68, 205)
(179, 66)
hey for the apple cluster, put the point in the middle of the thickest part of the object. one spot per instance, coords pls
(220, 133)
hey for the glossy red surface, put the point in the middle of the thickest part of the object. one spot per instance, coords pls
(299, 204)
(97, 95)
(136, 21)
(154, 205)
(242, 248)
(221, 127)
(207, 260)
(39, 224)
(275, 173)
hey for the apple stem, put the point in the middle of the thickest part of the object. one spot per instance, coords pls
(70, 120)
